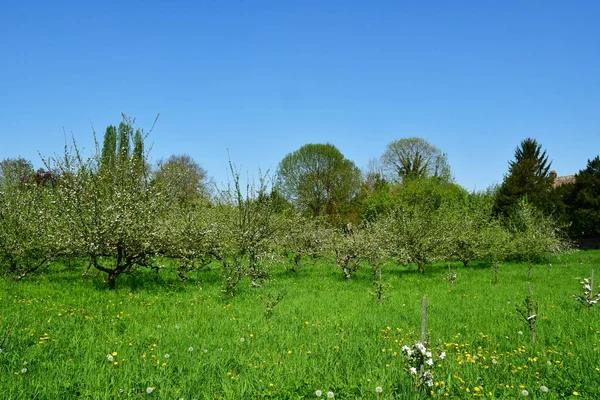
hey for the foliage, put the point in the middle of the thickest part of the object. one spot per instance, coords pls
(111, 208)
(419, 357)
(528, 176)
(582, 200)
(412, 158)
(319, 180)
(303, 239)
(14, 171)
(181, 177)
(533, 235)
(250, 226)
(30, 227)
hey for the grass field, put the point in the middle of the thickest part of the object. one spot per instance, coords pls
(168, 339)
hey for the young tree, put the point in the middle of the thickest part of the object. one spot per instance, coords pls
(412, 158)
(30, 227)
(112, 209)
(528, 176)
(318, 179)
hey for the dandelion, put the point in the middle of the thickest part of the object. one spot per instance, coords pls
(24, 370)
(242, 340)
(166, 356)
(549, 362)
(525, 392)
(110, 358)
(330, 395)
(190, 348)
(520, 332)
(149, 389)
(378, 389)
(544, 389)
(318, 393)
(494, 361)
(205, 351)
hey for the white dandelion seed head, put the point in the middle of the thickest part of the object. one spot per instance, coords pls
(494, 361)
(379, 389)
(190, 348)
(166, 356)
(318, 393)
(242, 340)
(24, 370)
(525, 392)
(544, 389)
(110, 358)
(330, 395)
(149, 389)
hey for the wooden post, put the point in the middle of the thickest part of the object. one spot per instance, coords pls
(592, 286)
(423, 314)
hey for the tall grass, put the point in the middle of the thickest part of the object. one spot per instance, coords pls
(188, 340)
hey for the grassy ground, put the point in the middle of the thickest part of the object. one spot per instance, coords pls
(73, 338)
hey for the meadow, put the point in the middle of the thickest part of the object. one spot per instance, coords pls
(67, 336)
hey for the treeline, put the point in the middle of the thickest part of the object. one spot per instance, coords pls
(120, 213)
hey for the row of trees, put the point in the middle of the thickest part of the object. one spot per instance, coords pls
(115, 211)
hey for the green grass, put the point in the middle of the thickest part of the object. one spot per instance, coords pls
(326, 334)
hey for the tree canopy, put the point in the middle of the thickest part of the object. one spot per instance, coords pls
(182, 177)
(412, 158)
(317, 178)
(528, 176)
(582, 200)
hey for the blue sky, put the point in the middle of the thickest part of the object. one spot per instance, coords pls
(258, 79)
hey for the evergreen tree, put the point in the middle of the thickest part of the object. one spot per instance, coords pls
(528, 177)
(582, 201)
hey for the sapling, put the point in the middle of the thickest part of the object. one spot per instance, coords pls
(450, 276)
(270, 301)
(529, 311)
(379, 286)
(588, 298)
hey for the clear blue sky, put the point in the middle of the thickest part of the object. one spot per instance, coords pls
(262, 78)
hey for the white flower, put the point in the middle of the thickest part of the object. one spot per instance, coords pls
(110, 358)
(442, 355)
(405, 348)
(544, 389)
(494, 361)
(330, 395)
(429, 361)
(149, 390)
(525, 392)
(24, 370)
(166, 356)
(190, 348)
(420, 347)
(242, 340)
(430, 383)
(520, 332)
(428, 354)
(413, 370)
(475, 358)
(318, 393)
(378, 389)
(205, 351)
(549, 362)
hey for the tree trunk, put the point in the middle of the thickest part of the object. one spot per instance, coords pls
(421, 268)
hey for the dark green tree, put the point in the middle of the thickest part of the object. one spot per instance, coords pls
(528, 176)
(582, 201)
(318, 179)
